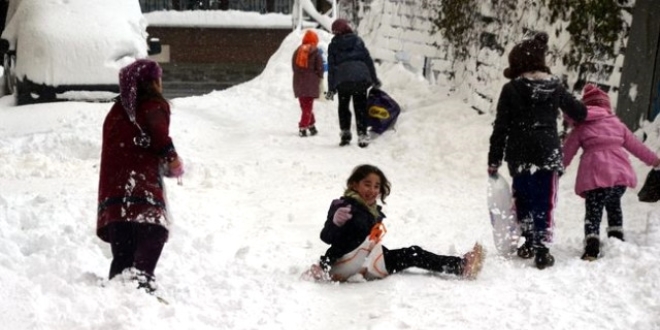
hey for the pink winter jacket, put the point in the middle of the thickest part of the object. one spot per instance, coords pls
(604, 161)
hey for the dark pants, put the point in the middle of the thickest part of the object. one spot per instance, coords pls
(595, 200)
(136, 245)
(414, 256)
(535, 196)
(357, 91)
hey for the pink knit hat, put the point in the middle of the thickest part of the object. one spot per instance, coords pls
(130, 76)
(592, 95)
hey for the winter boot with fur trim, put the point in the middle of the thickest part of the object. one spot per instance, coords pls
(472, 262)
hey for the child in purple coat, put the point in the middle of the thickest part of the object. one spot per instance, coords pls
(605, 170)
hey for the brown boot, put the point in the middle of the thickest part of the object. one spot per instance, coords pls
(472, 262)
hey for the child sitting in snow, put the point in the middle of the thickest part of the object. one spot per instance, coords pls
(354, 228)
(604, 170)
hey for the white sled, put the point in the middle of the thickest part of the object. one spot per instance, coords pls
(506, 230)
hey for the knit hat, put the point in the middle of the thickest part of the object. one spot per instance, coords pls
(309, 42)
(341, 26)
(529, 55)
(310, 38)
(592, 95)
(130, 76)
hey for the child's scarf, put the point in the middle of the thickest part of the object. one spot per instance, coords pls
(309, 42)
(373, 209)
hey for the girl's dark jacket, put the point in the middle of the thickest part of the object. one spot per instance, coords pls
(525, 129)
(130, 181)
(348, 237)
(349, 61)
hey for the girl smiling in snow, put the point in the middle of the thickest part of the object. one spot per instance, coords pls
(354, 228)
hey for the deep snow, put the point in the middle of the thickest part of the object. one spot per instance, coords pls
(253, 201)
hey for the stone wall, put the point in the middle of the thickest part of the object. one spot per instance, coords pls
(400, 31)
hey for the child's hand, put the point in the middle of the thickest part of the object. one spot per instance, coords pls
(656, 164)
(175, 168)
(492, 171)
(342, 215)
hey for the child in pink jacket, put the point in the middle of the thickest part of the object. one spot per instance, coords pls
(605, 170)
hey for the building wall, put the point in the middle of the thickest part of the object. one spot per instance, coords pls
(199, 60)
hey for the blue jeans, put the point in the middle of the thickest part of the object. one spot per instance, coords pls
(535, 196)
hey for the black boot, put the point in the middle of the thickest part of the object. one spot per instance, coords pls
(345, 138)
(616, 234)
(302, 132)
(526, 251)
(591, 249)
(312, 130)
(543, 258)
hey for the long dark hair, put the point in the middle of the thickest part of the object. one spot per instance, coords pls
(147, 91)
(362, 171)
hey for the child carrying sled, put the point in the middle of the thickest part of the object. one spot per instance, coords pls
(354, 228)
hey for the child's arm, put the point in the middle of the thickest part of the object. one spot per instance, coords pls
(500, 128)
(638, 149)
(571, 146)
(571, 106)
(331, 231)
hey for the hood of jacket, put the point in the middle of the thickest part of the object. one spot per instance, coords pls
(595, 112)
(537, 86)
(346, 43)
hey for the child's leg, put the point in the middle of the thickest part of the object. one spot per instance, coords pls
(306, 117)
(122, 246)
(344, 111)
(614, 212)
(414, 256)
(543, 188)
(150, 242)
(594, 202)
(360, 109)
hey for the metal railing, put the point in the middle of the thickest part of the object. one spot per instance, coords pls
(262, 6)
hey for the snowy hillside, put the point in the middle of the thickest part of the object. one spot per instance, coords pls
(248, 215)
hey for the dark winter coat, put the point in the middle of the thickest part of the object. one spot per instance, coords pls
(349, 61)
(525, 129)
(130, 181)
(348, 237)
(307, 81)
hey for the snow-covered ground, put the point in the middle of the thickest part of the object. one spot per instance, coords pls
(253, 201)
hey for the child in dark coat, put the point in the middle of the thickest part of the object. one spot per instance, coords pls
(351, 72)
(354, 228)
(525, 135)
(307, 66)
(605, 170)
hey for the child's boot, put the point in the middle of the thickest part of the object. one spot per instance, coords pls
(472, 262)
(312, 130)
(302, 132)
(345, 138)
(616, 234)
(591, 249)
(363, 140)
(543, 258)
(526, 251)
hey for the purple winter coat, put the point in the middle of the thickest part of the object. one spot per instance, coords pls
(307, 81)
(604, 162)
